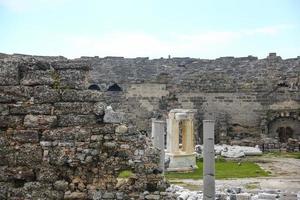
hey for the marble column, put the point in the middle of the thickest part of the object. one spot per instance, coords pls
(158, 139)
(208, 160)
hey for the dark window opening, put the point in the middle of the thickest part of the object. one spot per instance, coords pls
(283, 84)
(94, 87)
(115, 88)
(284, 133)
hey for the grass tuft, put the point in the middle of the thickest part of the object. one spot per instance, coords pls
(125, 174)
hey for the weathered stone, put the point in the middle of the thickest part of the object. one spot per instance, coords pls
(110, 144)
(76, 120)
(38, 77)
(66, 134)
(4, 109)
(63, 108)
(152, 196)
(108, 195)
(112, 116)
(10, 121)
(13, 94)
(121, 129)
(75, 195)
(40, 121)
(39, 109)
(82, 95)
(72, 79)
(45, 94)
(9, 73)
(99, 108)
(26, 136)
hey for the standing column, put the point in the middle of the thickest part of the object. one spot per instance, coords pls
(208, 160)
(158, 139)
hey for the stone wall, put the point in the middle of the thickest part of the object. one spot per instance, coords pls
(58, 142)
(239, 93)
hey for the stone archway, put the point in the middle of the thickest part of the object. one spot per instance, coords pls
(283, 126)
(284, 133)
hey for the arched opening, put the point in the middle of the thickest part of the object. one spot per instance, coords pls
(284, 133)
(115, 87)
(94, 87)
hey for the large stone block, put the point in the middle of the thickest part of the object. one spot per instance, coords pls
(82, 95)
(19, 173)
(10, 121)
(63, 108)
(45, 94)
(4, 110)
(66, 134)
(38, 77)
(112, 116)
(29, 155)
(76, 120)
(13, 94)
(72, 79)
(71, 65)
(23, 109)
(40, 121)
(9, 73)
(26, 136)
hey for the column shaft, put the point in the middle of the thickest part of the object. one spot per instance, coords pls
(208, 160)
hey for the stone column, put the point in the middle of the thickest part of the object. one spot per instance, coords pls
(158, 139)
(190, 146)
(208, 160)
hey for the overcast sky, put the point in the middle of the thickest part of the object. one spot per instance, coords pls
(150, 28)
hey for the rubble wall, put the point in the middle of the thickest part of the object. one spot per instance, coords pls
(55, 143)
(238, 93)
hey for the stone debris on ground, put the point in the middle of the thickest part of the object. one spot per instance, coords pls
(180, 193)
(231, 151)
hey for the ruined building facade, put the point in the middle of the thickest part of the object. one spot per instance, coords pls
(251, 99)
(60, 132)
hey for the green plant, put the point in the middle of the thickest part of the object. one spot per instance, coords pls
(125, 174)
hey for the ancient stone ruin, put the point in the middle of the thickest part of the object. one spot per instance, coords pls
(58, 140)
(70, 127)
(180, 131)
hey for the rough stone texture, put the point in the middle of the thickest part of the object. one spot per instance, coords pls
(246, 96)
(54, 143)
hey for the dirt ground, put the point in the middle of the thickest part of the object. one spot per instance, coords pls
(285, 176)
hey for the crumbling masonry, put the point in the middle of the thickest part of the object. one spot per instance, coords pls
(57, 140)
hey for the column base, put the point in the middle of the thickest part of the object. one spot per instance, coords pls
(181, 162)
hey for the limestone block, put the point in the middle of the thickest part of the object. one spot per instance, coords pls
(13, 94)
(76, 120)
(11, 121)
(82, 108)
(19, 173)
(23, 109)
(61, 185)
(72, 79)
(121, 129)
(40, 121)
(81, 95)
(113, 117)
(37, 77)
(75, 195)
(45, 94)
(9, 73)
(26, 136)
(66, 134)
(4, 110)
(29, 155)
